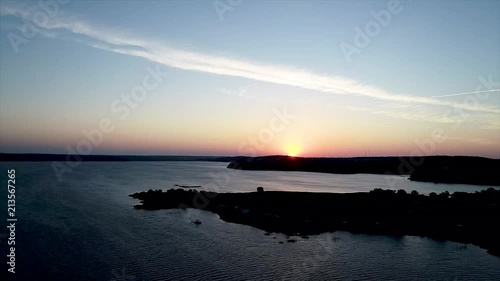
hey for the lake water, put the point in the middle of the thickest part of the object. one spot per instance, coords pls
(84, 228)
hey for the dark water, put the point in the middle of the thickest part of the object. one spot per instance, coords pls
(84, 228)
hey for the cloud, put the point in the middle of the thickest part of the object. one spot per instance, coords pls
(473, 140)
(126, 44)
(492, 125)
(283, 75)
(415, 115)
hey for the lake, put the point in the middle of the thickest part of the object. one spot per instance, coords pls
(85, 228)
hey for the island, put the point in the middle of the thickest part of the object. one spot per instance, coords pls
(438, 169)
(461, 217)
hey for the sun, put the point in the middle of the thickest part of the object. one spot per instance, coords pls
(292, 150)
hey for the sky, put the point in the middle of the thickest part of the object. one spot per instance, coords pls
(240, 77)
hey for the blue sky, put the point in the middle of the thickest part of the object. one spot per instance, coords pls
(424, 70)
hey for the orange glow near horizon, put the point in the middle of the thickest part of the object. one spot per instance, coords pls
(292, 150)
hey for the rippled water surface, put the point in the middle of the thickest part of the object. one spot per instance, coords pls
(84, 228)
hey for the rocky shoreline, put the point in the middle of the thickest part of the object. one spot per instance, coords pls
(461, 217)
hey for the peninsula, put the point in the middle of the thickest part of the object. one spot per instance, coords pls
(462, 217)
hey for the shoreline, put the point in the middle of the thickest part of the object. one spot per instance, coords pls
(472, 170)
(460, 217)
(438, 169)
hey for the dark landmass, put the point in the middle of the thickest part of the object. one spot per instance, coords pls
(464, 170)
(439, 169)
(32, 157)
(369, 165)
(461, 217)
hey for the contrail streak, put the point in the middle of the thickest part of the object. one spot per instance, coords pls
(468, 93)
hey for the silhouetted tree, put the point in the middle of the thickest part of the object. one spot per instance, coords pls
(260, 189)
(444, 194)
(401, 192)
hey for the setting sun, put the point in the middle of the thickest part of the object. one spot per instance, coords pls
(292, 150)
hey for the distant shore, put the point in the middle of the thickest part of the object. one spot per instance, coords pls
(438, 169)
(462, 217)
(36, 157)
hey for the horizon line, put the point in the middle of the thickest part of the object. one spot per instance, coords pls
(228, 156)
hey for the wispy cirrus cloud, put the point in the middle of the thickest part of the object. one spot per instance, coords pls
(126, 44)
(478, 141)
(433, 114)
(413, 115)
